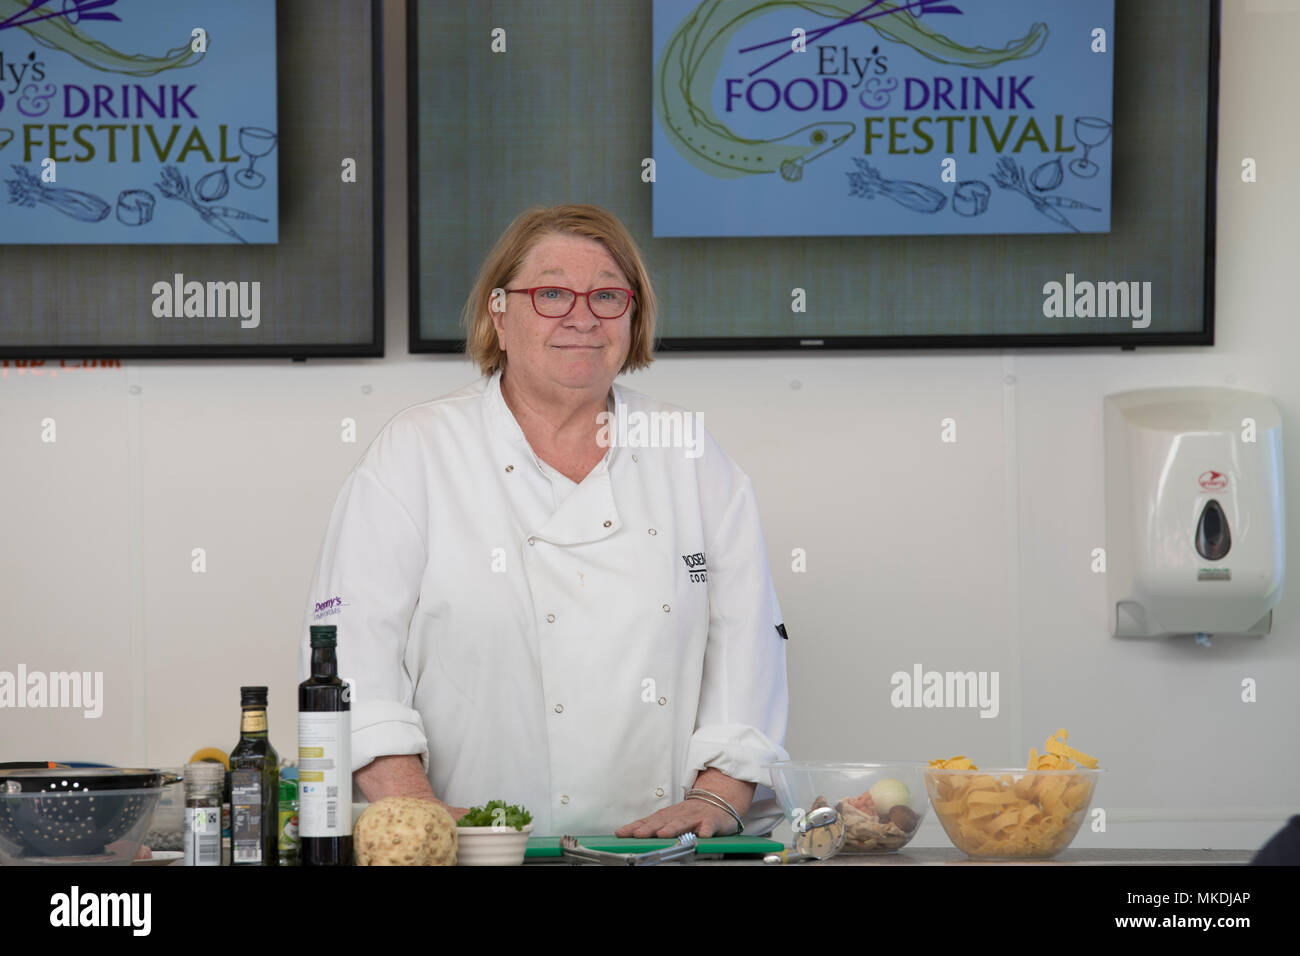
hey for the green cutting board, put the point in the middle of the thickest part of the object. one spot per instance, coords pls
(539, 847)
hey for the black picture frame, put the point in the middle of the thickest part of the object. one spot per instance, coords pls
(1124, 340)
(287, 19)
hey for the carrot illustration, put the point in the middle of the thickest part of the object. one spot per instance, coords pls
(176, 186)
(230, 213)
(1010, 176)
(1068, 203)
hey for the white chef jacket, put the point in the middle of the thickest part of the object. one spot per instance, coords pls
(552, 644)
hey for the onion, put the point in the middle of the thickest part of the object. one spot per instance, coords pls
(890, 793)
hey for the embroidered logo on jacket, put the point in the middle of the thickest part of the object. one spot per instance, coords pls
(334, 605)
(695, 568)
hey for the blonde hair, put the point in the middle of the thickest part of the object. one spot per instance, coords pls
(507, 257)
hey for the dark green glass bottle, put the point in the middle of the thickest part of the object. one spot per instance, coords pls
(254, 787)
(324, 758)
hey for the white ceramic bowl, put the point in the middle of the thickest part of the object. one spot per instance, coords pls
(491, 846)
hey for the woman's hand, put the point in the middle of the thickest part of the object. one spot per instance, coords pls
(700, 816)
(704, 819)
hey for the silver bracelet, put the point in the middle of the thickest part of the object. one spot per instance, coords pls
(713, 803)
(708, 796)
(698, 790)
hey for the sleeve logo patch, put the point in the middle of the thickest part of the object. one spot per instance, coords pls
(334, 605)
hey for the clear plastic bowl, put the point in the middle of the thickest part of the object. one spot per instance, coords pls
(167, 828)
(1004, 813)
(800, 785)
(103, 827)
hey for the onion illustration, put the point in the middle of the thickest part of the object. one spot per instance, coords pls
(1048, 176)
(213, 186)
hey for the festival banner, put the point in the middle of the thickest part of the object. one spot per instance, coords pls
(798, 118)
(138, 122)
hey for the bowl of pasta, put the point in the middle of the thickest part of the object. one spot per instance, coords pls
(1014, 813)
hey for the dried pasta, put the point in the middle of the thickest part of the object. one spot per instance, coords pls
(1033, 816)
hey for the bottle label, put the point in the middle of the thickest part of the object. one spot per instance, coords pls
(288, 833)
(253, 722)
(246, 816)
(325, 774)
(203, 836)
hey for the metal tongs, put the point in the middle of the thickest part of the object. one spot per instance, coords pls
(574, 852)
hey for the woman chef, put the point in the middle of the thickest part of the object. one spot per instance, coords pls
(530, 611)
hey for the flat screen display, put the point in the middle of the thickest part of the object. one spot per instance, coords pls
(1077, 209)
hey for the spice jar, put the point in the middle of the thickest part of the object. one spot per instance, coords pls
(203, 783)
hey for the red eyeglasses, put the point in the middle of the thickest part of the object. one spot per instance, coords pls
(555, 302)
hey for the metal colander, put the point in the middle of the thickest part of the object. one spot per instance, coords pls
(65, 812)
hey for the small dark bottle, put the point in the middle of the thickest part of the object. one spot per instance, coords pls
(254, 787)
(324, 758)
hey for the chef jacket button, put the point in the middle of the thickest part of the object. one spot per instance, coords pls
(532, 540)
(662, 701)
(667, 609)
(653, 531)
(608, 523)
(559, 708)
(550, 619)
(659, 791)
(564, 798)
(634, 458)
(510, 467)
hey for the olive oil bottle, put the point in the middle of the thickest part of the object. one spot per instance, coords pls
(254, 787)
(324, 758)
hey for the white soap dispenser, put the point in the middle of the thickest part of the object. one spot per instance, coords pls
(1195, 512)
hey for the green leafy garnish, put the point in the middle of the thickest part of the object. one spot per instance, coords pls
(489, 814)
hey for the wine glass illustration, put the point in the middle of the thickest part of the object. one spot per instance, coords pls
(1090, 131)
(256, 142)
